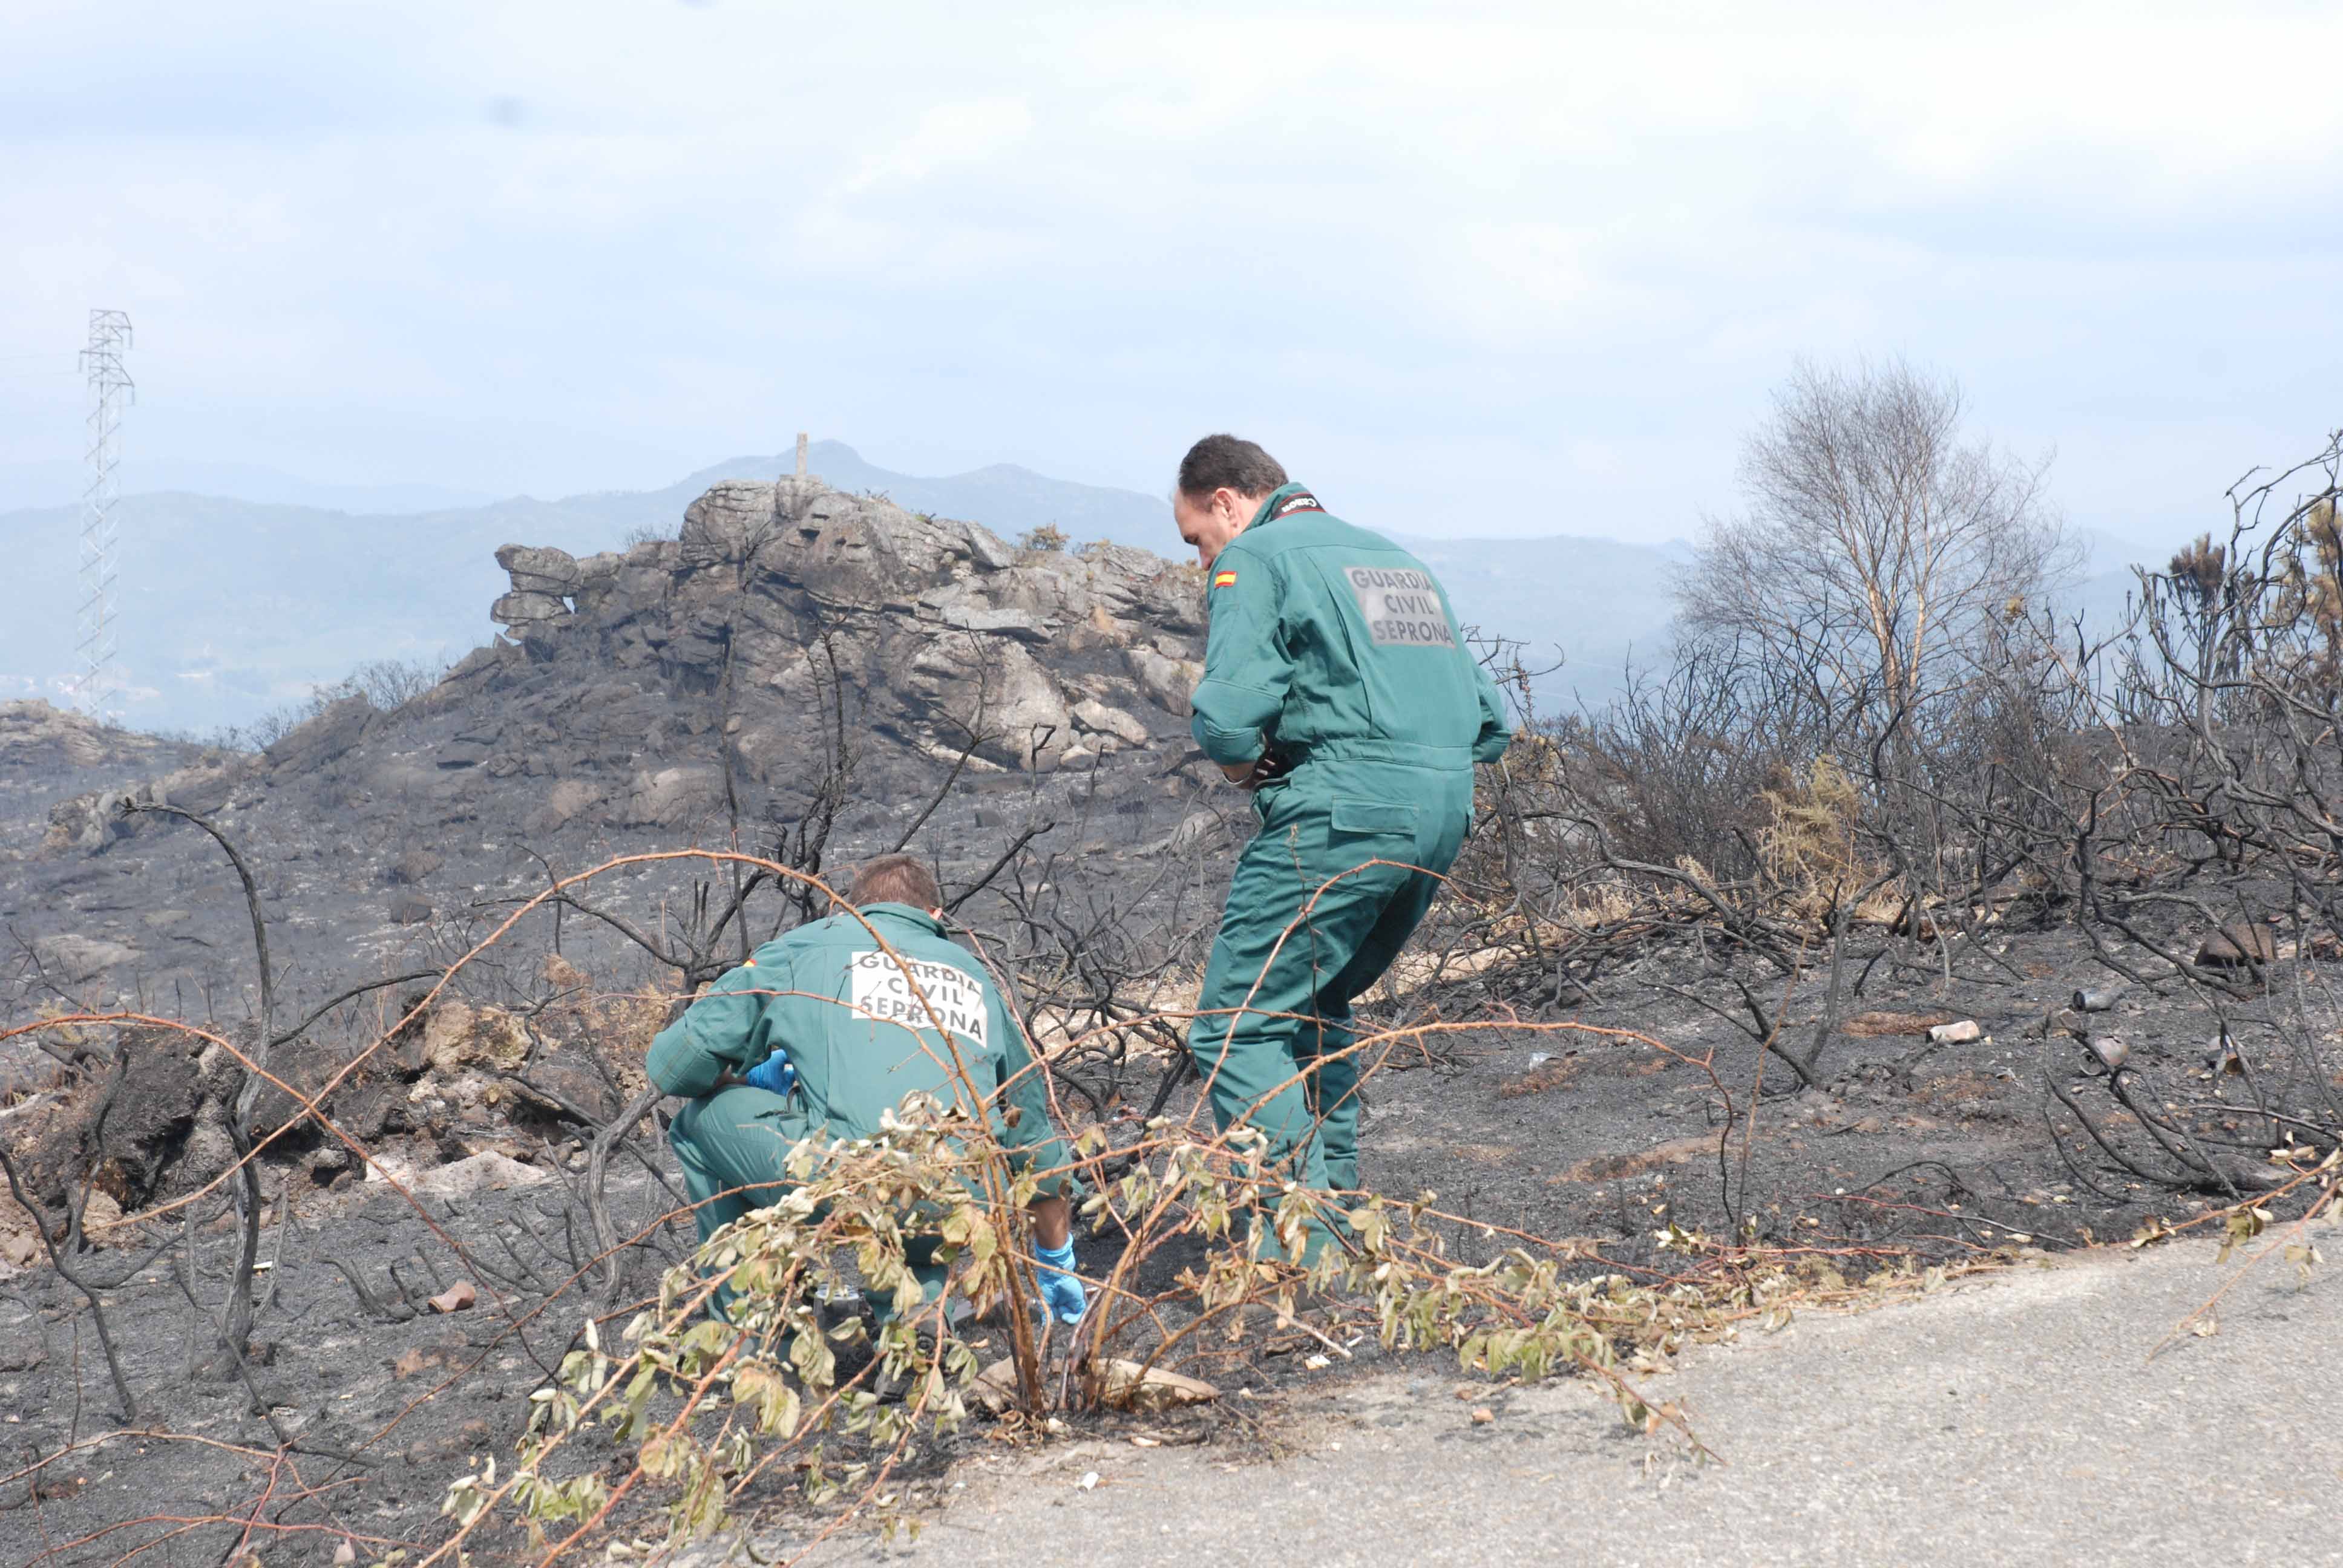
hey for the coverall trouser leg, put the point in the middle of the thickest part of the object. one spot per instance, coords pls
(739, 1138)
(1337, 1078)
(1310, 923)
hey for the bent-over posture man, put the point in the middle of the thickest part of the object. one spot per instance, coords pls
(821, 1032)
(1336, 689)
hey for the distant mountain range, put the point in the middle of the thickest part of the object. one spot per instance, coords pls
(233, 607)
(25, 487)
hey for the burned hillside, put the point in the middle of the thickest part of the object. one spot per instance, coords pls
(796, 656)
(1712, 1022)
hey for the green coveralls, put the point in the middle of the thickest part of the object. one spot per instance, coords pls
(861, 1039)
(1336, 649)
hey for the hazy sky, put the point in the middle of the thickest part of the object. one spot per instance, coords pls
(1467, 269)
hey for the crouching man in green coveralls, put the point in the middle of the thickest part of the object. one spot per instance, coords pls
(820, 1032)
(1337, 689)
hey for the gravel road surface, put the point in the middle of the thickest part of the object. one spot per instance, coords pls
(2011, 1419)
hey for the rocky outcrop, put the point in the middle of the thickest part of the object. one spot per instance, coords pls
(41, 746)
(942, 633)
(94, 820)
(31, 731)
(679, 682)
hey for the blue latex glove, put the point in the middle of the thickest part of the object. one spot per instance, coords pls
(777, 1074)
(1060, 1288)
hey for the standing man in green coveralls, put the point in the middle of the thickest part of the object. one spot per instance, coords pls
(1337, 690)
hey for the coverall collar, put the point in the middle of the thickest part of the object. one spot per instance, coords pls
(1284, 502)
(908, 914)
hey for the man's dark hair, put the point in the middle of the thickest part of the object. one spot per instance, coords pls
(1230, 461)
(896, 879)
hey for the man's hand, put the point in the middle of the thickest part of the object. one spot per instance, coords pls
(1060, 1288)
(1053, 1245)
(1266, 768)
(777, 1074)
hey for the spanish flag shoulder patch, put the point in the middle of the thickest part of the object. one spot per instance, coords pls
(1224, 579)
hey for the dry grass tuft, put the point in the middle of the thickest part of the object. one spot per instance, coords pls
(1545, 1075)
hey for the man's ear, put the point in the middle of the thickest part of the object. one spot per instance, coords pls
(936, 913)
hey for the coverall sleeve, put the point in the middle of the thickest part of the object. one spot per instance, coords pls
(1246, 671)
(1035, 1141)
(723, 1032)
(1496, 731)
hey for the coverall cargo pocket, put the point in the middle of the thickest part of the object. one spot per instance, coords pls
(1374, 816)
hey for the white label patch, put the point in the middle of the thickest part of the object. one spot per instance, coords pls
(880, 991)
(1402, 608)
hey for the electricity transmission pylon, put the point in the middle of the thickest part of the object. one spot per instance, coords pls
(109, 389)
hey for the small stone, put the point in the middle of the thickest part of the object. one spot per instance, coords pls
(520, 611)
(1014, 623)
(415, 866)
(74, 959)
(2238, 944)
(1168, 682)
(1098, 718)
(539, 570)
(1483, 1415)
(484, 1172)
(23, 1346)
(569, 798)
(457, 1297)
(406, 910)
(2111, 1051)
(986, 549)
(1960, 1033)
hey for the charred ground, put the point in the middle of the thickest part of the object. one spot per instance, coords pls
(1640, 1055)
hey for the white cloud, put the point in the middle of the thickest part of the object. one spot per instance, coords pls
(947, 136)
(1072, 238)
